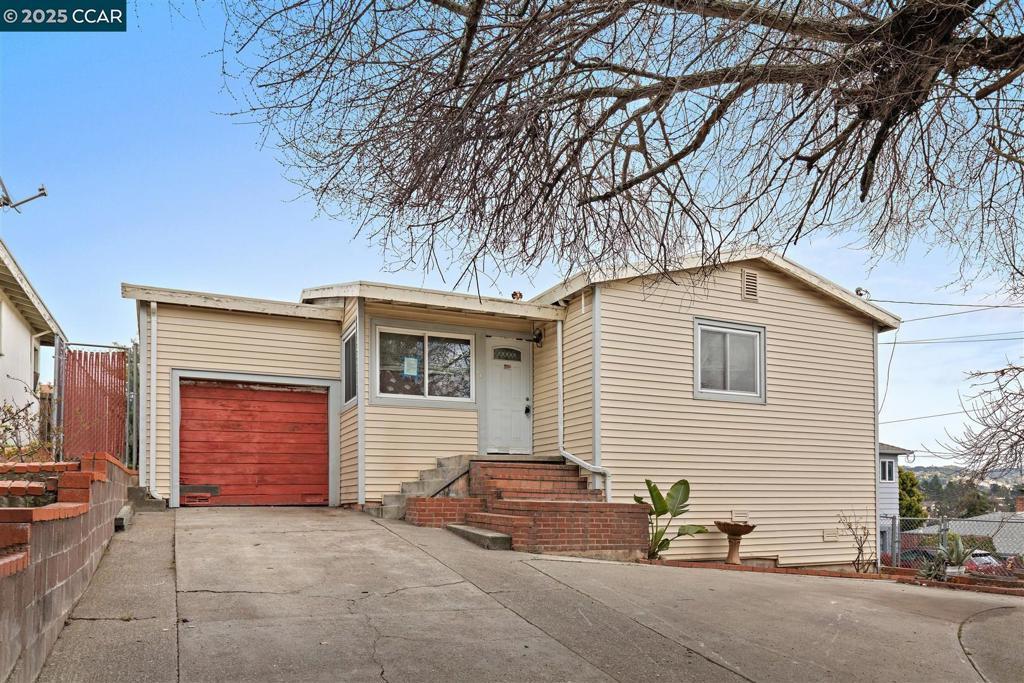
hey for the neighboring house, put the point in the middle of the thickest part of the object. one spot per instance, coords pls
(889, 494)
(758, 385)
(1006, 529)
(25, 325)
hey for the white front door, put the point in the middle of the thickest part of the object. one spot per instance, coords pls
(508, 425)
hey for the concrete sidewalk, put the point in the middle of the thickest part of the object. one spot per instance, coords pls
(295, 594)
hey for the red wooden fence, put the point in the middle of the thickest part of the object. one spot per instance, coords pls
(95, 402)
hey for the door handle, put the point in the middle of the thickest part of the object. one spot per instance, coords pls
(527, 411)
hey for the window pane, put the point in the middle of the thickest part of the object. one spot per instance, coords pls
(349, 363)
(743, 363)
(401, 364)
(450, 367)
(712, 360)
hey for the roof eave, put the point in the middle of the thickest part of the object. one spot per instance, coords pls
(885, 320)
(32, 308)
(413, 296)
(225, 302)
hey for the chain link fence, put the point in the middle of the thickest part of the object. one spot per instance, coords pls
(996, 541)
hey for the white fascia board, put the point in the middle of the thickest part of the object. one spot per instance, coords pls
(230, 303)
(416, 296)
(28, 292)
(885, 319)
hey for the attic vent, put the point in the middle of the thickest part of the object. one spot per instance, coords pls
(748, 285)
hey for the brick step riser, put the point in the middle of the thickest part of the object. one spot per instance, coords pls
(588, 495)
(495, 487)
(513, 471)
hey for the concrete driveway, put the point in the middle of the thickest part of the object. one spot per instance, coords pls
(293, 594)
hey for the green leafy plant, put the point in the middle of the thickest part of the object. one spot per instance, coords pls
(670, 505)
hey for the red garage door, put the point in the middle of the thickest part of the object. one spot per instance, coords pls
(252, 444)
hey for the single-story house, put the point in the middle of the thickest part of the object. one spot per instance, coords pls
(758, 384)
(889, 494)
(26, 324)
(1006, 529)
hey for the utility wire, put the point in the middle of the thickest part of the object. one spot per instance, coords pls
(939, 303)
(952, 341)
(923, 417)
(973, 336)
(946, 315)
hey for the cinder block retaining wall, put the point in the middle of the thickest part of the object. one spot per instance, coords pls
(48, 555)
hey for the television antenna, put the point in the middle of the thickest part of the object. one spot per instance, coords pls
(6, 202)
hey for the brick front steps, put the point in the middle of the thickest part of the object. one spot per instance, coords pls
(541, 506)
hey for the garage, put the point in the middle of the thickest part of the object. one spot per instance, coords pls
(242, 443)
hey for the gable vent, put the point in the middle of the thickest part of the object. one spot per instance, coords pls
(748, 285)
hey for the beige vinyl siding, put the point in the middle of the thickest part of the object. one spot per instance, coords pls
(578, 382)
(545, 393)
(349, 428)
(792, 464)
(228, 341)
(402, 441)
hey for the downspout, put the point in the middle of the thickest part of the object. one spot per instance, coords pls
(878, 520)
(595, 362)
(152, 401)
(143, 424)
(594, 469)
(362, 394)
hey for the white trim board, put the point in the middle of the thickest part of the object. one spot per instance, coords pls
(333, 421)
(417, 296)
(886, 320)
(226, 302)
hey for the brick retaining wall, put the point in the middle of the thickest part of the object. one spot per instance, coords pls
(437, 512)
(616, 530)
(65, 541)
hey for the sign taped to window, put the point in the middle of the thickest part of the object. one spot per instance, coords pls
(410, 366)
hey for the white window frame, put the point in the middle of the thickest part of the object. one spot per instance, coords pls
(349, 334)
(426, 334)
(890, 465)
(756, 331)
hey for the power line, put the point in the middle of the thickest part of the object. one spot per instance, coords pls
(923, 417)
(972, 336)
(946, 315)
(942, 303)
(952, 341)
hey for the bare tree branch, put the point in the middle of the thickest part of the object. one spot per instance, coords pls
(595, 133)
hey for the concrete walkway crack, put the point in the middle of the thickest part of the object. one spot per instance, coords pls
(960, 638)
(553, 636)
(234, 592)
(528, 562)
(126, 617)
(377, 635)
(431, 585)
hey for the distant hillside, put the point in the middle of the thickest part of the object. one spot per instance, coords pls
(947, 472)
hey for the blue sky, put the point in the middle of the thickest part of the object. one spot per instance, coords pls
(151, 183)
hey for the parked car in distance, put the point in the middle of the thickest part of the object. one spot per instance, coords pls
(982, 562)
(915, 558)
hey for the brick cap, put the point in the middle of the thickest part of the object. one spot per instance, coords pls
(109, 458)
(31, 467)
(45, 513)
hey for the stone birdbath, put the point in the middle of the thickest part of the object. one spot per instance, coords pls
(735, 531)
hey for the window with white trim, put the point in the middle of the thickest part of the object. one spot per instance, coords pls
(887, 470)
(348, 364)
(431, 365)
(729, 361)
